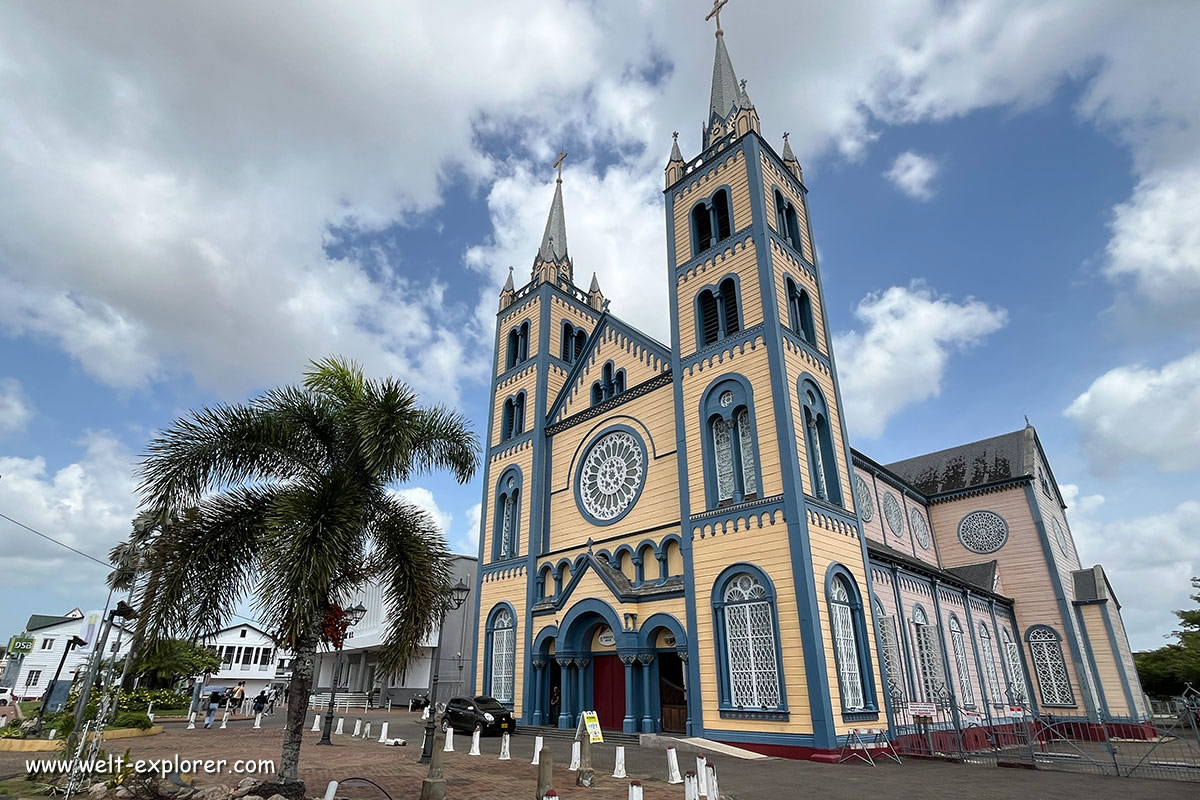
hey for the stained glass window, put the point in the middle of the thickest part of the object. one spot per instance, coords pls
(750, 644)
(1050, 668)
(862, 496)
(612, 475)
(723, 447)
(919, 528)
(966, 691)
(845, 645)
(983, 531)
(893, 514)
(814, 446)
(746, 445)
(893, 667)
(929, 658)
(989, 664)
(506, 525)
(504, 640)
(1016, 674)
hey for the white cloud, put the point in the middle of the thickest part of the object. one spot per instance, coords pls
(899, 355)
(912, 173)
(1149, 560)
(423, 498)
(87, 505)
(1137, 413)
(469, 543)
(15, 408)
(614, 228)
(464, 540)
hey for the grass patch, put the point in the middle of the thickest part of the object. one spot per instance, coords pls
(19, 787)
(30, 707)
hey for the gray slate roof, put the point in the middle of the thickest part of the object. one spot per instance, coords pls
(725, 89)
(554, 240)
(981, 575)
(1010, 455)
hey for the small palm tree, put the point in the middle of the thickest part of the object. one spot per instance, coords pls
(286, 499)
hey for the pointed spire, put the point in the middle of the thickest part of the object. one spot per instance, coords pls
(675, 154)
(595, 296)
(789, 159)
(595, 287)
(554, 240)
(725, 94)
(508, 284)
(788, 155)
(744, 97)
(507, 294)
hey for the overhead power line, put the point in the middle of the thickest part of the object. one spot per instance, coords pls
(56, 541)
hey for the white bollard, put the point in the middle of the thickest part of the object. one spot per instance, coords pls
(316, 728)
(150, 710)
(383, 737)
(225, 719)
(702, 776)
(537, 750)
(53, 733)
(575, 752)
(474, 751)
(367, 731)
(714, 792)
(192, 721)
(3, 720)
(504, 745)
(338, 730)
(635, 790)
(151, 717)
(357, 728)
(673, 775)
(449, 748)
(691, 786)
(389, 706)
(619, 767)
(425, 713)
(258, 722)
(331, 790)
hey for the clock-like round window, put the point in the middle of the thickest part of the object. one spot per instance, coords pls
(611, 476)
(862, 496)
(893, 514)
(983, 531)
(726, 399)
(919, 528)
(1061, 536)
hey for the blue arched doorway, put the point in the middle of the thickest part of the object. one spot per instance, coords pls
(594, 655)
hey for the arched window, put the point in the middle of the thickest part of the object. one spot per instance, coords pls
(523, 353)
(518, 345)
(1016, 674)
(611, 384)
(519, 414)
(800, 314)
(648, 570)
(508, 420)
(731, 449)
(818, 441)
(929, 658)
(580, 341)
(502, 653)
(966, 693)
(507, 538)
(672, 558)
(702, 229)
(546, 582)
(573, 341)
(1055, 682)
(850, 644)
(712, 221)
(787, 221)
(709, 323)
(893, 664)
(718, 313)
(989, 665)
(744, 605)
(597, 394)
(619, 382)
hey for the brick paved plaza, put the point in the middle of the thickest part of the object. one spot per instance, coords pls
(395, 769)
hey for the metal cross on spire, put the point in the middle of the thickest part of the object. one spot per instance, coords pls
(716, 14)
(558, 165)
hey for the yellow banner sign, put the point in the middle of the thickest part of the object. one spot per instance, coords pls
(593, 727)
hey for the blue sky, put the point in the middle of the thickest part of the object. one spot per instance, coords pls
(1004, 198)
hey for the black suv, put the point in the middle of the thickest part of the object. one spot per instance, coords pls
(484, 714)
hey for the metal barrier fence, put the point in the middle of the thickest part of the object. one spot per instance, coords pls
(1167, 747)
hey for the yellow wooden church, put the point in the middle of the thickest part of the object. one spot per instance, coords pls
(681, 538)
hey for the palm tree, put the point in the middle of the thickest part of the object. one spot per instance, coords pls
(287, 500)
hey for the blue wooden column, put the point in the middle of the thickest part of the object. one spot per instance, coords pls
(629, 724)
(539, 672)
(581, 665)
(565, 671)
(646, 660)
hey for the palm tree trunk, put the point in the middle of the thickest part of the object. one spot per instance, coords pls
(305, 657)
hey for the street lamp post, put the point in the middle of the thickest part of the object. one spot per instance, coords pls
(352, 617)
(458, 596)
(124, 611)
(72, 643)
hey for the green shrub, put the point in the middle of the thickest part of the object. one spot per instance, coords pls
(132, 719)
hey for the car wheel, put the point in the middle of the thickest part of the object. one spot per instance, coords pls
(445, 724)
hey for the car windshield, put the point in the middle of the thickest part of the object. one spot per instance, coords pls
(489, 704)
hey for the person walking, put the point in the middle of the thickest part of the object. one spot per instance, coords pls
(214, 702)
(239, 696)
(272, 696)
(260, 702)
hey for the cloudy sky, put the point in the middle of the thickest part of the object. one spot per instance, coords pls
(199, 197)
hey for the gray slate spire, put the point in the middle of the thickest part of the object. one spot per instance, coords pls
(508, 284)
(675, 154)
(595, 287)
(725, 89)
(788, 155)
(554, 240)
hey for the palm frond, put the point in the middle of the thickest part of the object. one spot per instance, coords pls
(398, 438)
(336, 377)
(413, 568)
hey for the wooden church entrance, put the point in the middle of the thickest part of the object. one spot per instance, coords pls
(671, 692)
(608, 690)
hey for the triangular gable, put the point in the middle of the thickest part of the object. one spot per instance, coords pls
(612, 579)
(639, 348)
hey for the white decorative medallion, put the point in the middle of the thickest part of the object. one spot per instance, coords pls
(893, 513)
(983, 531)
(919, 528)
(862, 497)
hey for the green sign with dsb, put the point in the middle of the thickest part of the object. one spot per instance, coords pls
(20, 645)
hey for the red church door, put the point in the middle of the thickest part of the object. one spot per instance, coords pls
(608, 691)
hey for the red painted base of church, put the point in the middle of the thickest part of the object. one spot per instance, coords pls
(789, 751)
